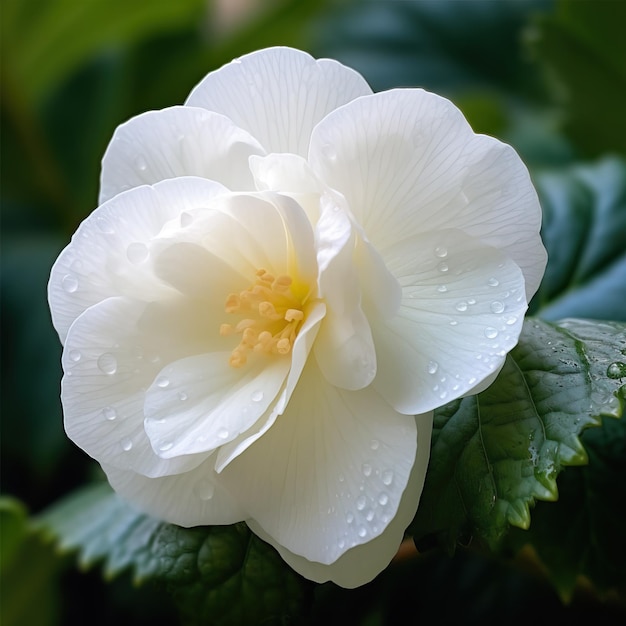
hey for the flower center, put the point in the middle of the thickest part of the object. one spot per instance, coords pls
(272, 317)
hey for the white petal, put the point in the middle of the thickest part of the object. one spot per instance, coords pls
(330, 472)
(344, 348)
(199, 403)
(462, 310)
(408, 162)
(362, 563)
(194, 498)
(299, 354)
(278, 95)
(109, 254)
(178, 141)
(113, 352)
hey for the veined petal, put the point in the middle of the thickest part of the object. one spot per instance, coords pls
(362, 563)
(278, 95)
(344, 348)
(191, 499)
(199, 403)
(330, 473)
(173, 142)
(109, 254)
(462, 310)
(408, 162)
(113, 352)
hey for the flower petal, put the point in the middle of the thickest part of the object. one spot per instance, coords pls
(199, 403)
(178, 141)
(191, 499)
(408, 162)
(278, 95)
(109, 254)
(462, 310)
(330, 472)
(361, 564)
(113, 352)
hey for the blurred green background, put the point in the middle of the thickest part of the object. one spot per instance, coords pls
(548, 77)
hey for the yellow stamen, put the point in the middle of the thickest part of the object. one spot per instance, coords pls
(273, 316)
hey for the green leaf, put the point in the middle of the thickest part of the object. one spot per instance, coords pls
(584, 225)
(584, 534)
(217, 575)
(495, 454)
(582, 44)
(28, 571)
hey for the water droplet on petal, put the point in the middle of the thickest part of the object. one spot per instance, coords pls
(329, 152)
(442, 289)
(497, 306)
(104, 225)
(362, 531)
(127, 445)
(374, 444)
(511, 320)
(140, 163)
(461, 306)
(472, 380)
(443, 267)
(109, 413)
(204, 489)
(493, 282)
(107, 363)
(74, 355)
(349, 518)
(69, 283)
(367, 469)
(471, 301)
(387, 477)
(361, 501)
(491, 332)
(222, 433)
(164, 447)
(383, 498)
(441, 252)
(163, 382)
(369, 516)
(257, 396)
(432, 367)
(182, 396)
(137, 252)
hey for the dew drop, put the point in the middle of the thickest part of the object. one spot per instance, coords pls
(432, 367)
(164, 447)
(162, 382)
(366, 469)
(453, 322)
(471, 301)
(204, 489)
(361, 501)
(387, 477)
(616, 370)
(493, 282)
(383, 498)
(127, 445)
(472, 380)
(443, 394)
(257, 396)
(491, 332)
(70, 283)
(182, 396)
(374, 444)
(441, 252)
(461, 306)
(442, 289)
(362, 531)
(497, 306)
(349, 518)
(141, 163)
(341, 544)
(109, 413)
(107, 363)
(511, 320)
(222, 433)
(443, 267)
(369, 516)
(104, 225)
(137, 252)
(74, 355)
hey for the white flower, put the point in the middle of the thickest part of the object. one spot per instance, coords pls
(281, 274)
